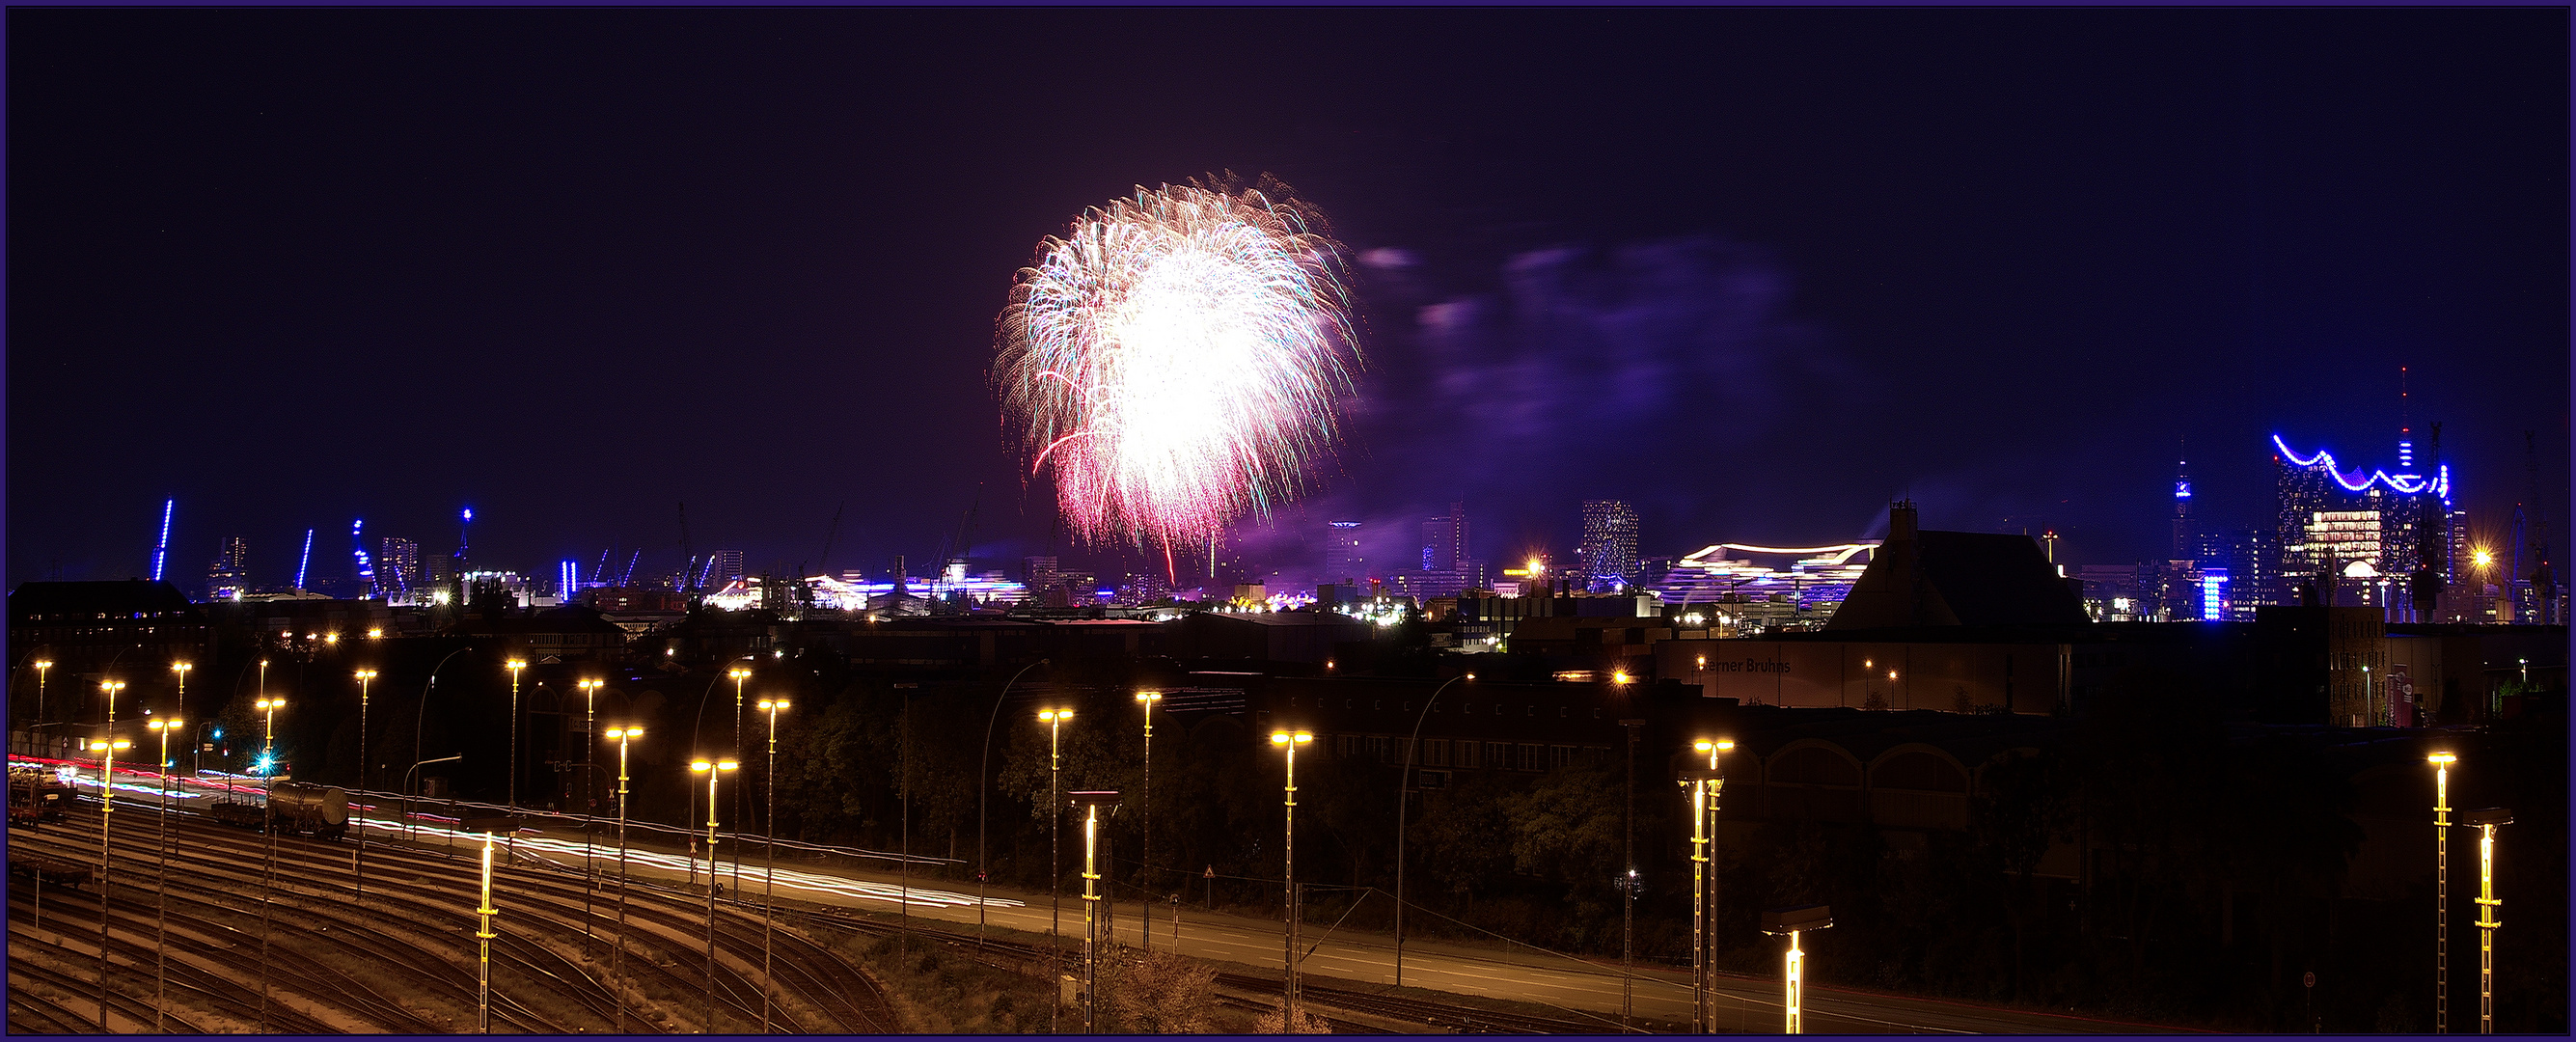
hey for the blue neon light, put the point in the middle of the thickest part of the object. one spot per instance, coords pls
(161, 551)
(2213, 599)
(2404, 484)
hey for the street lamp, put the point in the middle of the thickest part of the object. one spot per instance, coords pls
(106, 748)
(739, 674)
(714, 770)
(41, 666)
(365, 677)
(1628, 883)
(1054, 719)
(617, 962)
(1705, 784)
(1288, 953)
(2486, 822)
(268, 825)
(182, 669)
(982, 776)
(769, 846)
(1403, 794)
(1145, 924)
(1793, 921)
(1091, 802)
(483, 932)
(589, 807)
(268, 707)
(2369, 705)
(111, 687)
(162, 729)
(2442, 762)
(514, 666)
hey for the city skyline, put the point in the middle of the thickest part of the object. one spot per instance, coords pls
(1902, 278)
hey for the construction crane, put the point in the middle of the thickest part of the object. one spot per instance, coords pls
(686, 552)
(302, 562)
(961, 541)
(823, 564)
(366, 567)
(161, 550)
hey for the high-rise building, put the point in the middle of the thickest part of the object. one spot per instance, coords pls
(723, 566)
(1044, 581)
(399, 568)
(2184, 543)
(229, 576)
(2355, 539)
(1608, 555)
(1444, 553)
(1343, 562)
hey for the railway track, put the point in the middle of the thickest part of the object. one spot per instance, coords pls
(214, 869)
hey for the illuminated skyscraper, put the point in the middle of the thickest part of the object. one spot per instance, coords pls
(1608, 554)
(399, 566)
(229, 575)
(2356, 538)
(1445, 563)
(724, 566)
(1343, 562)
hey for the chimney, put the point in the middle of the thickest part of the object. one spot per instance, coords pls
(1900, 521)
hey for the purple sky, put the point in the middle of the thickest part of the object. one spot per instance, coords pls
(1756, 271)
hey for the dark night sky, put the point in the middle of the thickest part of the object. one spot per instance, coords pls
(1759, 271)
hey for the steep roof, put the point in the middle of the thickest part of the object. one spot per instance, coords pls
(1935, 578)
(90, 601)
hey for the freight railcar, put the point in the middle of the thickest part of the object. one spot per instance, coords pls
(294, 808)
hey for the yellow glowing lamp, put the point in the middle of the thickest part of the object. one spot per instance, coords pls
(1053, 716)
(771, 705)
(1285, 738)
(1149, 696)
(703, 766)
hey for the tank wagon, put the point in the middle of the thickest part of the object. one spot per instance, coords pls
(296, 808)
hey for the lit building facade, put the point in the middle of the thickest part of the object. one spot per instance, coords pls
(1608, 554)
(2357, 539)
(1343, 562)
(1757, 589)
(229, 576)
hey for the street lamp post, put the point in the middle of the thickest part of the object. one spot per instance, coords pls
(514, 665)
(617, 962)
(41, 666)
(483, 933)
(111, 687)
(2442, 762)
(268, 707)
(1705, 784)
(1145, 923)
(1628, 884)
(769, 846)
(365, 677)
(713, 770)
(1403, 797)
(1793, 921)
(419, 719)
(589, 810)
(1091, 802)
(162, 729)
(2486, 822)
(1288, 855)
(1054, 719)
(182, 669)
(739, 675)
(982, 775)
(106, 748)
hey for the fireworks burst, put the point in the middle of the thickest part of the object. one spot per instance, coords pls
(1176, 358)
